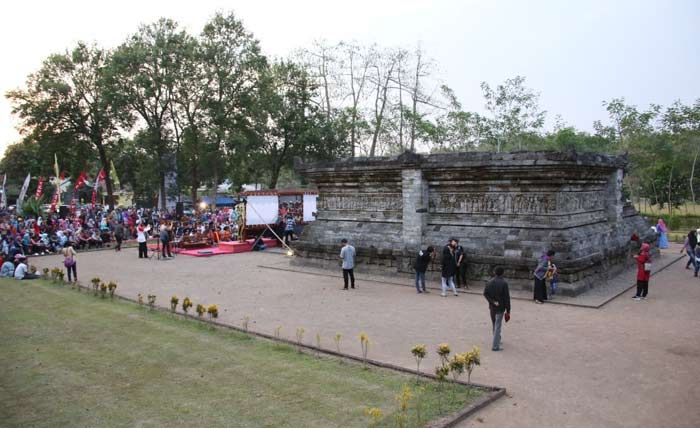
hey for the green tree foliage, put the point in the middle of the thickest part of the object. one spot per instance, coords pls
(64, 105)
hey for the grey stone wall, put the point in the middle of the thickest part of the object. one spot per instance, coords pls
(505, 208)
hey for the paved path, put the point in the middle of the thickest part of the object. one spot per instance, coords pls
(628, 364)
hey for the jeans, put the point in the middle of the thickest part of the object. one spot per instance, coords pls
(448, 281)
(349, 273)
(72, 270)
(497, 322)
(691, 259)
(420, 281)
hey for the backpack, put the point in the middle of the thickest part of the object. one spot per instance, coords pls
(68, 261)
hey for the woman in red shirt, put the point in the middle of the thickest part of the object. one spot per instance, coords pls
(643, 272)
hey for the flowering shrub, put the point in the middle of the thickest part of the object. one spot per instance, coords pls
(95, 284)
(419, 352)
(277, 331)
(45, 273)
(186, 304)
(103, 290)
(140, 299)
(246, 320)
(152, 300)
(300, 336)
(336, 339)
(472, 359)
(173, 303)
(200, 310)
(111, 287)
(374, 414)
(364, 344)
(443, 351)
(213, 311)
(403, 400)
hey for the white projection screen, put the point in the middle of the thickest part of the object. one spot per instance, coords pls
(261, 209)
(309, 207)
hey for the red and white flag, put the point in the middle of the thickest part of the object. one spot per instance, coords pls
(39, 188)
(98, 181)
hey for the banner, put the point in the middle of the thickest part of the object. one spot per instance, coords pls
(79, 183)
(98, 180)
(23, 192)
(113, 176)
(57, 194)
(3, 202)
(39, 188)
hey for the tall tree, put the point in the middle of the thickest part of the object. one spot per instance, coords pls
(140, 79)
(232, 65)
(515, 112)
(68, 97)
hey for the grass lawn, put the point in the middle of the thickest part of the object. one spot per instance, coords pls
(71, 359)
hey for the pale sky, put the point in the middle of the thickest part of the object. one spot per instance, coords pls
(576, 53)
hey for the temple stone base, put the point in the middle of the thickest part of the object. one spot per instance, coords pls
(505, 209)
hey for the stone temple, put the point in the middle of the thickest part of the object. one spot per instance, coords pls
(505, 209)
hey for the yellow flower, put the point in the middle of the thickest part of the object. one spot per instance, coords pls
(419, 351)
(443, 349)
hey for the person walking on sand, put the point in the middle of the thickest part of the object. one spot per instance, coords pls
(691, 241)
(347, 255)
(643, 272)
(449, 268)
(497, 294)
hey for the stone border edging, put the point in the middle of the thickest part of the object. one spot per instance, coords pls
(490, 393)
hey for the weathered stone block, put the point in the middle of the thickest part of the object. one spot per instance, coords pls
(506, 209)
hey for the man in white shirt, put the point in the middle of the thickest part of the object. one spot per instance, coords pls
(21, 270)
(141, 238)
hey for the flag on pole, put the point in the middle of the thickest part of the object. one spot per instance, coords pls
(3, 202)
(39, 188)
(98, 179)
(23, 192)
(113, 175)
(57, 194)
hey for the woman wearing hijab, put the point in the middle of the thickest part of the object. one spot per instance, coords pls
(662, 230)
(541, 271)
(643, 272)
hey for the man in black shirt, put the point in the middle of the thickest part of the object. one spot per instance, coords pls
(422, 262)
(496, 293)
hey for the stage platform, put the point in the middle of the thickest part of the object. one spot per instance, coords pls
(231, 247)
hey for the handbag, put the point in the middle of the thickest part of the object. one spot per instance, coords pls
(68, 261)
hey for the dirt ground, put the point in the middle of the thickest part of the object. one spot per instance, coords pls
(628, 364)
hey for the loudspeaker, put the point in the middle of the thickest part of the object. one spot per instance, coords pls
(179, 209)
(63, 211)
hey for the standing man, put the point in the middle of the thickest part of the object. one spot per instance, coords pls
(461, 266)
(497, 294)
(141, 237)
(165, 242)
(347, 255)
(422, 262)
(118, 235)
(449, 267)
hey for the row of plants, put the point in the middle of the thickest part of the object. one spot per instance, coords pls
(57, 276)
(211, 310)
(409, 399)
